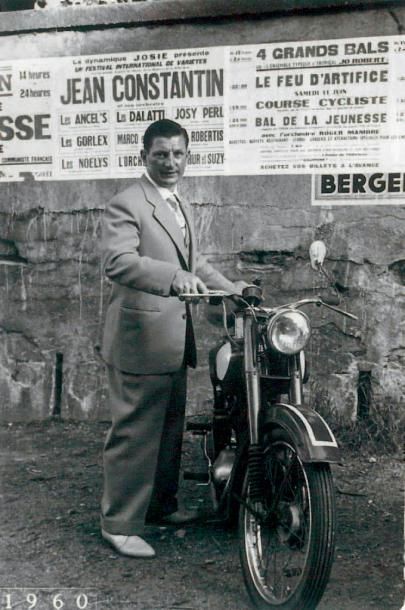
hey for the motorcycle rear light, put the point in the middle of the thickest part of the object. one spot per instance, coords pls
(288, 331)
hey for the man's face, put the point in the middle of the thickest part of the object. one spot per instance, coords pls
(166, 160)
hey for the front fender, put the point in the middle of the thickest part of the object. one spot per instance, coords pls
(310, 433)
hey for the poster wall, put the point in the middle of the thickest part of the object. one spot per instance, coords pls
(321, 107)
(83, 117)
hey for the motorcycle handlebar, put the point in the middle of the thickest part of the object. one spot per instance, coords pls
(215, 297)
(338, 310)
(211, 294)
(251, 295)
(319, 301)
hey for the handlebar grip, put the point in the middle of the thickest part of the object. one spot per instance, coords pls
(198, 426)
(202, 477)
(332, 299)
(253, 294)
(215, 300)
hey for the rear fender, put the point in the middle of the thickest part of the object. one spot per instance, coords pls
(310, 433)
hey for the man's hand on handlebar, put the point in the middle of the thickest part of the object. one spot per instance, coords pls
(190, 288)
(187, 283)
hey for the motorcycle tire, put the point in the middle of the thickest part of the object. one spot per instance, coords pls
(287, 550)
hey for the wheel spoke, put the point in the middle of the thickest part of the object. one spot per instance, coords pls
(280, 549)
(280, 541)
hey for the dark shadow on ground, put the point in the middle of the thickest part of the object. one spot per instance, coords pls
(51, 478)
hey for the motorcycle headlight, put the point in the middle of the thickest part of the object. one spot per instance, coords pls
(288, 331)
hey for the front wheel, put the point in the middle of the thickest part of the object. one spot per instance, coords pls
(287, 539)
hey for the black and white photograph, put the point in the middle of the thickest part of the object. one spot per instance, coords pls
(202, 298)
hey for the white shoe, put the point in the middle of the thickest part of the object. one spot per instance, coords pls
(133, 546)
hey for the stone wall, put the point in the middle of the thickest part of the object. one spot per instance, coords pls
(52, 290)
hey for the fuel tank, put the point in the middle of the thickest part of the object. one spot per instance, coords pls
(226, 366)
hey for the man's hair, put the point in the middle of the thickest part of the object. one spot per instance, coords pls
(165, 128)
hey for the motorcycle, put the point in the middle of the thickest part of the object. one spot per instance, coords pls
(268, 454)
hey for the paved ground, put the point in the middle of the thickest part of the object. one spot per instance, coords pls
(50, 488)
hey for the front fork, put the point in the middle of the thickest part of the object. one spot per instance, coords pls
(252, 377)
(295, 393)
(253, 394)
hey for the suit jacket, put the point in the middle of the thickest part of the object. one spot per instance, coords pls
(142, 248)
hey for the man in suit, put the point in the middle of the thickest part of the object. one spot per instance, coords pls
(150, 254)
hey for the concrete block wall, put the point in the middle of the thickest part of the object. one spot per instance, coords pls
(52, 291)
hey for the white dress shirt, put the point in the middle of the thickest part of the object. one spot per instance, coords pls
(173, 203)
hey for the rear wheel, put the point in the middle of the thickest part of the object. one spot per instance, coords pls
(287, 539)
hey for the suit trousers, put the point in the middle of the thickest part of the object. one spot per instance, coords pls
(142, 451)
